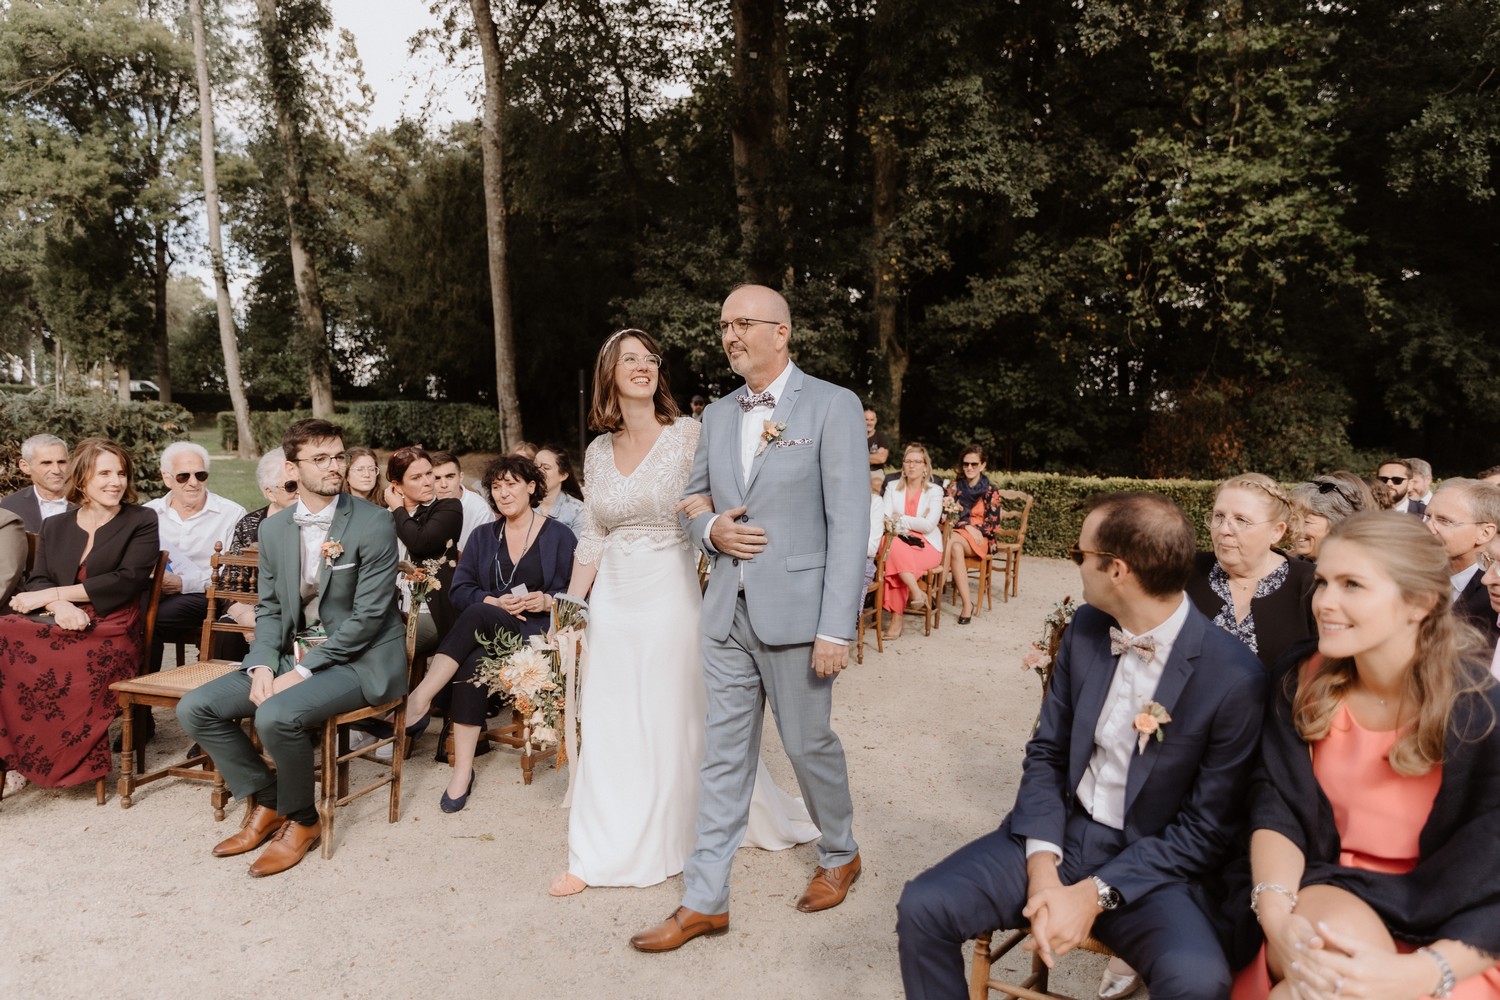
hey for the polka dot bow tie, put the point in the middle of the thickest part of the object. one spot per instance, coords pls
(1144, 645)
(750, 401)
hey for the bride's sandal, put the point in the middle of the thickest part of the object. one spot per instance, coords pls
(567, 884)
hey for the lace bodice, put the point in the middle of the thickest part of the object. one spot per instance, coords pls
(636, 511)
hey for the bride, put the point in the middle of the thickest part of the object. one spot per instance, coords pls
(635, 786)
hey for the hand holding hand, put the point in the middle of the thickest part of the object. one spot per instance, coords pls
(289, 679)
(260, 685)
(1070, 912)
(70, 616)
(829, 657)
(694, 505)
(734, 538)
(28, 601)
(1347, 967)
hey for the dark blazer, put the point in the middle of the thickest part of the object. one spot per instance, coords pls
(1452, 891)
(1184, 795)
(1416, 508)
(356, 598)
(119, 564)
(1282, 619)
(433, 530)
(24, 502)
(478, 573)
(1473, 606)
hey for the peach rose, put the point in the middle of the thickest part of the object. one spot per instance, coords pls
(1146, 723)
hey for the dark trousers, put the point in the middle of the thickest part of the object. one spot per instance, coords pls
(179, 618)
(462, 643)
(1164, 935)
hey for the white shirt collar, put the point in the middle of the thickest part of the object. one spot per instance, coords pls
(1461, 579)
(777, 387)
(1166, 633)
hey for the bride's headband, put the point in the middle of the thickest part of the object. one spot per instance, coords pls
(620, 333)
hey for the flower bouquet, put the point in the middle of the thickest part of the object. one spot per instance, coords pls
(422, 581)
(527, 671)
(1043, 653)
(952, 509)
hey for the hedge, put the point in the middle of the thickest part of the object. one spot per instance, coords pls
(456, 427)
(143, 429)
(1057, 513)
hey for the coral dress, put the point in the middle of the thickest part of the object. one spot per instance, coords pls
(904, 558)
(1379, 815)
(55, 702)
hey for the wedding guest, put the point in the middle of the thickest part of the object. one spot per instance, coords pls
(1464, 516)
(1245, 585)
(979, 513)
(877, 526)
(363, 478)
(1419, 488)
(1376, 802)
(12, 554)
(44, 457)
(919, 547)
(1323, 502)
(1489, 561)
(77, 626)
(427, 526)
(448, 477)
(697, 405)
(280, 493)
(505, 581)
(525, 449)
(875, 441)
(564, 499)
(1396, 476)
(1380, 492)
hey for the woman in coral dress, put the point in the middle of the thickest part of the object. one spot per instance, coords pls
(916, 504)
(1374, 858)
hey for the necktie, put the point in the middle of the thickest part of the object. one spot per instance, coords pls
(750, 401)
(1144, 645)
(323, 520)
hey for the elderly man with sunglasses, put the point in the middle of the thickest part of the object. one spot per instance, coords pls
(190, 519)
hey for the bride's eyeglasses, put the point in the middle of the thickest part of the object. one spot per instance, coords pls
(631, 360)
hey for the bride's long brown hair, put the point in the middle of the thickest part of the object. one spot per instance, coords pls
(604, 414)
(1444, 668)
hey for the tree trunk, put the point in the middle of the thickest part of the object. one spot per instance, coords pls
(494, 218)
(216, 242)
(887, 283)
(759, 132)
(122, 381)
(298, 206)
(159, 320)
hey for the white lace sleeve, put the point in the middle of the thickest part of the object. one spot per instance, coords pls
(591, 531)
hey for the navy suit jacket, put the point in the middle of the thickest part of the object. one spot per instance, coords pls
(1473, 606)
(1185, 795)
(25, 503)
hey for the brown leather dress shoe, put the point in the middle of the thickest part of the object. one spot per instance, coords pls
(680, 928)
(829, 886)
(260, 823)
(289, 846)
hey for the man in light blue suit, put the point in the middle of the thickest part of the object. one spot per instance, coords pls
(785, 462)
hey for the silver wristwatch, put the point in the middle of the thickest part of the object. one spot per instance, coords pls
(1109, 898)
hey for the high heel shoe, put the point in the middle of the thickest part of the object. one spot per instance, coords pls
(416, 729)
(451, 805)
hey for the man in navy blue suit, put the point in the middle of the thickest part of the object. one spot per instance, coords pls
(1133, 787)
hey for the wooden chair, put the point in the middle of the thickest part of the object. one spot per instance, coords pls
(871, 617)
(981, 568)
(932, 583)
(512, 734)
(232, 580)
(1009, 540)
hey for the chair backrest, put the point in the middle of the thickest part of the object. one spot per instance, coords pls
(1015, 517)
(877, 583)
(232, 579)
(153, 596)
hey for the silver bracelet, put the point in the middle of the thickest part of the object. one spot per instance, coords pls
(1261, 887)
(1446, 980)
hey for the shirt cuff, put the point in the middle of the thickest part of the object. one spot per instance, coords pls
(257, 666)
(303, 671)
(833, 639)
(1034, 846)
(708, 528)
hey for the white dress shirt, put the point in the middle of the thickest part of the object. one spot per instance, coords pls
(190, 541)
(1133, 687)
(312, 537)
(1461, 579)
(476, 513)
(753, 424)
(51, 508)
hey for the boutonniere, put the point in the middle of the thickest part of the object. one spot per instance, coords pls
(332, 549)
(1149, 724)
(771, 433)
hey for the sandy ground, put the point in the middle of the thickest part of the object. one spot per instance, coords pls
(100, 902)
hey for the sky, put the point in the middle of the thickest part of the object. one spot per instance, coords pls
(402, 83)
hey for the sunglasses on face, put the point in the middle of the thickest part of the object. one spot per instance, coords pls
(1076, 554)
(201, 475)
(971, 465)
(1392, 480)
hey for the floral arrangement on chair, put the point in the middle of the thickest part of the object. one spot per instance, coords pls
(536, 673)
(423, 581)
(1043, 653)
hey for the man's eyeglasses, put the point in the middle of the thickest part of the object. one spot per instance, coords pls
(1446, 523)
(1485, 561)
(1392, 480)
(631, 360)
(1076, 554)
(743, 324)
(325, 461)
(201, 475)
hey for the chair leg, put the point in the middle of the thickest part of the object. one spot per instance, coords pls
(99, 793)
(128, 758)
(979, 969)
(329, 785)
(398, 757)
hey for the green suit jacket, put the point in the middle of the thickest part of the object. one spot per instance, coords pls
(356, 599)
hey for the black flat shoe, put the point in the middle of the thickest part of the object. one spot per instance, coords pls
(454, 805)
(965, 619)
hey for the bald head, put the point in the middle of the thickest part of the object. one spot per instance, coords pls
(755, 324)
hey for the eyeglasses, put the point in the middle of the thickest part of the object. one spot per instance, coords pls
(1232, 523)
(1445, 523)
(325, 461)
(201, 475)
(1076, 554)
(743, 324)
(631, 360)
(1485, 561)
(972, 465)
(1392, 480)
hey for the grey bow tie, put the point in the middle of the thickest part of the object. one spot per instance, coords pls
(750, 401)
(1144, 645)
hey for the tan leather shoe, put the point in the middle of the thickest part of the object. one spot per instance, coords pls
(288, 847)
(680, 928)
(260, 822)
(829, 886)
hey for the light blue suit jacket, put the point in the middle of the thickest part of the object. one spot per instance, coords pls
(810, 491)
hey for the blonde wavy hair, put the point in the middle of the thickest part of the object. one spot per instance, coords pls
(1446, 666)
(1279, 504)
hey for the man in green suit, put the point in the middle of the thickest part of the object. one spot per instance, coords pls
(327, 568)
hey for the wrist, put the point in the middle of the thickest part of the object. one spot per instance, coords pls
(1436, 972)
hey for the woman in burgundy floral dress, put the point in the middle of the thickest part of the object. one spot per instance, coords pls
(77, 626)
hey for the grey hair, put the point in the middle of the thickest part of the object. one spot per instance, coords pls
(1419, 467)
(30, 445)
(1482, 498)
(268, 470)
(1328, 497)
(171, 451)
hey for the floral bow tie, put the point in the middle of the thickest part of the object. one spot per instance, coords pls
(750, 401)
(313, 520)
(1144, 645)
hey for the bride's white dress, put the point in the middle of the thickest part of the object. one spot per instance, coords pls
(635, 786)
